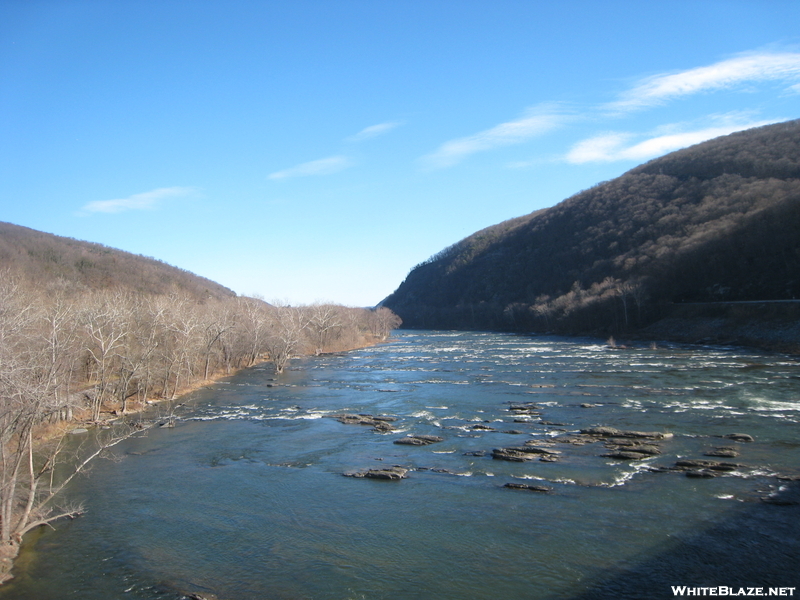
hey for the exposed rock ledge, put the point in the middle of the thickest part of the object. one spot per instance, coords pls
(392, 473)
(419, 440)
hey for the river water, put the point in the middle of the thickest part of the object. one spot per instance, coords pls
(245, 499)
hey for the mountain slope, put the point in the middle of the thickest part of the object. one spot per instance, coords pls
(719, 221)
(42, 257)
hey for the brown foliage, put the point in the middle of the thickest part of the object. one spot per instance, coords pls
(717, 221)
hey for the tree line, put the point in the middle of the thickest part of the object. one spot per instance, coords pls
(68, 352)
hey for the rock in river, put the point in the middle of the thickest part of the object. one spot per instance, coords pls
(392, 473)
(522, 453)
(379, 423)
(528, 486)
(740, 437)
(723, 452)
(419, 440)
(612, 432)
(706, 464)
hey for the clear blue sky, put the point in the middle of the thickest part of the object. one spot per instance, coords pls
(318, 149)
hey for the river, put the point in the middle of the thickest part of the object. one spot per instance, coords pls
(244, 498)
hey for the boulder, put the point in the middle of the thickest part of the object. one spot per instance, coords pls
(739, 437)
(522, 453)
(379, 423)
(612, 432)
(512, 454)
(419, 440)
(702, 474)
(640, 449)
(475, 453)
(706, 464)
(391, 473)
(522, 406)
(624, 455)
(529, 487)
(576, 440)
(723, 452)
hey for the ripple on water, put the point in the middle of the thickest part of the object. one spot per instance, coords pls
(276, 519)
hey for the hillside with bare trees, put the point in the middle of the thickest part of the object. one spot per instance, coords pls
(43, 257)
(714, 223)
(86, 343)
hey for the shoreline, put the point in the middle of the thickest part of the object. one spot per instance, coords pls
(48, 432)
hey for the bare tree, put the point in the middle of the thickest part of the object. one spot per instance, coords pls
(384, 321)
(106, 326)
(285, 334)
(34, 361)
(324, 325)
(254, 322)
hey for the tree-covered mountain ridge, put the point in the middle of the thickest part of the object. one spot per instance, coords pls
(715, 222)
(41, 258)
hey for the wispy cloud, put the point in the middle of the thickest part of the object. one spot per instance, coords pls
(616, 146)
(143, 201)
(373, 131)
(726, 74)
(323, 166)
(535, 122)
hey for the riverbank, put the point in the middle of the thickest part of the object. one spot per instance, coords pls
(49, 433)
(224, 474)
(769, 326)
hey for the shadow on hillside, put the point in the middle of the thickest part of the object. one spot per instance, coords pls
(755, 546)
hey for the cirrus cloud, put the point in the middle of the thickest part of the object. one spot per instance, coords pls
(535, 122)
(323, 166)
(616, 146)
(726, 74)
(143, 201)
(373, 131)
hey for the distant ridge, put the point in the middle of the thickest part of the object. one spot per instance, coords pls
(41, 258)
(719, 221)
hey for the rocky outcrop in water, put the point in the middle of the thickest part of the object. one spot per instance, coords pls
(740, 437)
(378, 423)
(391, 473)
(524, 408)
(706, 464)
(530, 451)
(619, 433)
(723, 452)
(419, 440)
(623, 449)
(529, 487)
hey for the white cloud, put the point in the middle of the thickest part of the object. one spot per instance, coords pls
(373, 131)
(722, 75)
(323, 166)
(601, 148)
(534, 123)
(615, 146)
(143, 201)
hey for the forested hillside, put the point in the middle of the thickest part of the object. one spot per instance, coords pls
(88, 333)
(719, 221)
(41, 258)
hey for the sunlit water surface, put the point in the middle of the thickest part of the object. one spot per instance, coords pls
(245, 498)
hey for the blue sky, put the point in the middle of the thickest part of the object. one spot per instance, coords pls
(316, 150)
